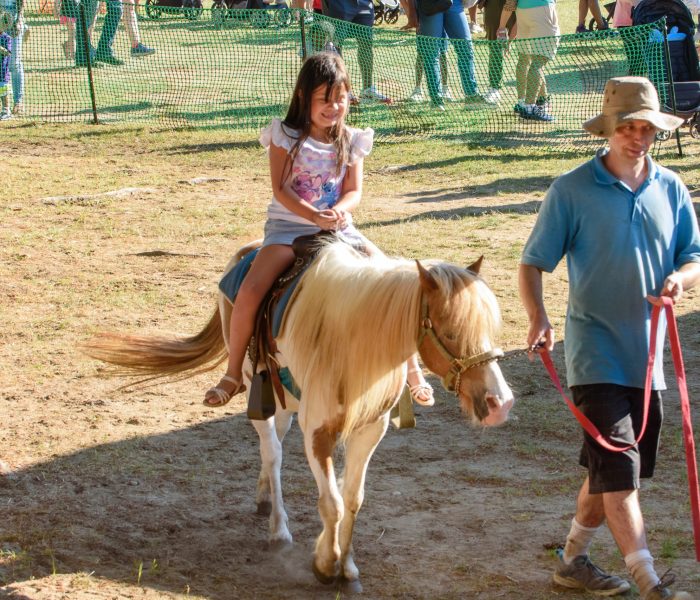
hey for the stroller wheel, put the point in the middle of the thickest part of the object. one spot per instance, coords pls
(593, 24)
(695, 128)
(663, 135)
(391, 16)
(378, 16)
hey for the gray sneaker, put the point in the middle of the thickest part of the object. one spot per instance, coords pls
(582, 574)
(661, 592)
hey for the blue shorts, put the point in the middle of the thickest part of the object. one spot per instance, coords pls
(617, 412)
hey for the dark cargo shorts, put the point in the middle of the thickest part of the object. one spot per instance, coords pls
(617, 412)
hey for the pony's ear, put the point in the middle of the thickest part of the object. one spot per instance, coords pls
(475, 267)
(427, 281)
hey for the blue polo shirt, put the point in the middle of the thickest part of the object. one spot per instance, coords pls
(619, 245)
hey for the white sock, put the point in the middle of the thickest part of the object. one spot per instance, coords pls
(578, 541)
(641, 565)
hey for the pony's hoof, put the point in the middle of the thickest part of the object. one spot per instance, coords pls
(264, 508)
(279, 544)
(348, 587)
(322, 577)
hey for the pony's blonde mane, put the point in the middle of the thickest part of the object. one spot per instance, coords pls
(354, 323)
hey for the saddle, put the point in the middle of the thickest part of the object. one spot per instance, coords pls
(268, 378)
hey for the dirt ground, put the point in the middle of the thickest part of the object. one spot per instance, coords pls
(146, 494)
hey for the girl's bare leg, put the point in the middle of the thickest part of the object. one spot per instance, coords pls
(267, 266)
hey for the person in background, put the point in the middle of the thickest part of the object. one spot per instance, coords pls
(417, 94)
(538, 26)
(6, 22)
(492, 22)
(132, 30)
(453, 23)
(359, 12)
(584, 6)
(16, 30)
(472, 8)
(68, 44)
(629, 232)
(103, 52)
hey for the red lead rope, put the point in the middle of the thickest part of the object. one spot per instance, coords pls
(685, 408)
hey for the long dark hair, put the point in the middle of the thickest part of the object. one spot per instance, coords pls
(323, 68)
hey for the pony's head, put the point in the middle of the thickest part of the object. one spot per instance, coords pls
(459, 319)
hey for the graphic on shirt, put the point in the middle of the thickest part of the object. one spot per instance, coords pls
(317, 189)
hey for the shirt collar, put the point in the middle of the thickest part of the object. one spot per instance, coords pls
(605, 177)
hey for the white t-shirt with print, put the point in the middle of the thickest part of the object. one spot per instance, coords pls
(314, 177)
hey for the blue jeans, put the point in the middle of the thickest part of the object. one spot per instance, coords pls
(454, 23)
(16, 67)
(109, 29)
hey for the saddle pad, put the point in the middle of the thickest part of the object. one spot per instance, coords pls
(231, 283)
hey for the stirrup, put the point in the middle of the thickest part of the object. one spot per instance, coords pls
(221, 394)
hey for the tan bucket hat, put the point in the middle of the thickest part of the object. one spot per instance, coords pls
(627, 99)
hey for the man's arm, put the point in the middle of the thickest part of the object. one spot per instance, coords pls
(530, 283)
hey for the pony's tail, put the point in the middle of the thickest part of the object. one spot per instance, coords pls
(159, 356)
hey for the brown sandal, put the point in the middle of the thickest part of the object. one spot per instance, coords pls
(221, 396)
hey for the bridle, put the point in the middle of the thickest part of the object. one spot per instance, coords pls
(458, 365)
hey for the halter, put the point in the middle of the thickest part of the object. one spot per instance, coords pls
(458, 365)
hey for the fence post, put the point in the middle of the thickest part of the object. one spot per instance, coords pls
(88, 59)
(302, 24)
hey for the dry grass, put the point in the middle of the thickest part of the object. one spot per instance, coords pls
(102, 483)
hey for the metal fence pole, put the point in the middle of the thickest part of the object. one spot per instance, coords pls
(88, 59)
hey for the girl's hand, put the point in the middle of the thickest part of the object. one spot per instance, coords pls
(326, 219)
(343, 217)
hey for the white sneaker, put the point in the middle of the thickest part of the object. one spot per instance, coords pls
(371, 94)
(5, 114)
(447, 94)
(493, 96)
(475, 28)
(416, 96)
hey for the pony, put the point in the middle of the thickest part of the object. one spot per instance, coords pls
(346, 335)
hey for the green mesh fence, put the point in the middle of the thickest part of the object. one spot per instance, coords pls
(236, 68)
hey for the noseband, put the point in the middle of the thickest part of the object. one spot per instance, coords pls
(458, 365)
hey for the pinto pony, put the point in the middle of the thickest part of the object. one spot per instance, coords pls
(353, 323)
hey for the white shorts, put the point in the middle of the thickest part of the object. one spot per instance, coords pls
(539, 25)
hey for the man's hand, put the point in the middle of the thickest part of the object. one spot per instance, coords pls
(540, 337)
(673, 288)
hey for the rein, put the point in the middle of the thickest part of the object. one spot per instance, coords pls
(685, 407)
(458, 364)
